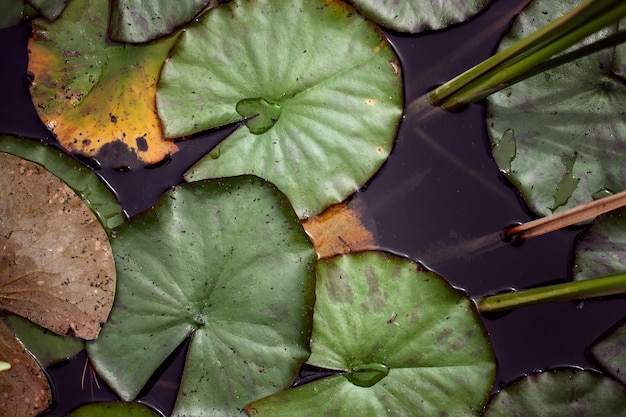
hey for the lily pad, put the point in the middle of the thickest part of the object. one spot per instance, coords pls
(24, 387)
(56, 264)
(96, 96)
(138, 21)
(113, 409)
(408, 344)
(47, 347)
(567, 124)
(14, 12)
(601, 249)
(227, 263)
(50, 9)
(562, 392)
(610, 351)
(81, 179)
(416, 16)
(319, 87)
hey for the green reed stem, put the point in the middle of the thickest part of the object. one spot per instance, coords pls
(574, 290)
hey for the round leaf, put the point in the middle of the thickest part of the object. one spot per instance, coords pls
(566, 125)
(50, 9)
(563, 392)
(227, 261)
(24, 387)
(601, 249)
(416, 16)
(56, 266)
(408, 344)
(82, 180)
(97, 97)
(113, 409)
(318, 85)
(609, 351)
(142, 21)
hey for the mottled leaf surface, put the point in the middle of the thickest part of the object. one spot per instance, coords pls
(81, 179)
(96, 96)
(50, 9)
(56, 266)
(416, 16)
(558, 393)
(567, 125)
(319, 86)
(610, 351)
(113, 409)
(139, 21)
(24, 389)
(408, 343)
(227, 262)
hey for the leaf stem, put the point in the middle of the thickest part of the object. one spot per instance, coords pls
(510, 64)
(574, 290)
(565, 218)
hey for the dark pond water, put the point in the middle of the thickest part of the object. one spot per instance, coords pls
(438, 199)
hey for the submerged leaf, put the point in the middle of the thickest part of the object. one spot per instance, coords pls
(318, 85)
(227, 263)
(113, 409)
(566, 125)
(24, 389)
(558, 393)
(408, 343)
(138, 21)
(56, 264)
(416, 16)
(98, 97)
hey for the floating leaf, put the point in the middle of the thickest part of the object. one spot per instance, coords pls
(14, 12)
(138, 21)
(408, 344)
(601, 249)
(98, 97)
(319, 86)
(82, 180)
(416, 16)
(50, 9)
(610, 351)
(24, 389)
(558, 393)
(567, 124)
(113, 409)
(56, 266)
(340, 229)
(228, 263)
(47, 347)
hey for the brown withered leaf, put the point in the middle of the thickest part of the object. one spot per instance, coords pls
(340, 229)
(56, 265)
(24, 389)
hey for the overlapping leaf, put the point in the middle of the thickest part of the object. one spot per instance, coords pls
(24, 387)
(113, 409)
(416, 16)
(56, 266)
(609, 351)
(320, 84)
(408, 343)
(565, 127)
(139, 21)
(98, 97)
(562, 392)
(228, 263)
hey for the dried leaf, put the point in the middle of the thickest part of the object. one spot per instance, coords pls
(24, 389)
(56, 265)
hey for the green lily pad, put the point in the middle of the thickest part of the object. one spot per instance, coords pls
(567, 124)
(558, 393)
(610, 351)
(113, 409)
(407, 343)
(319, 87)
(416, 16)
(138, 21)
(14, 12)
(96, 96)
(601, 249)
(81, 179)
(47, 347)
(50, 9)
(227, 263)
